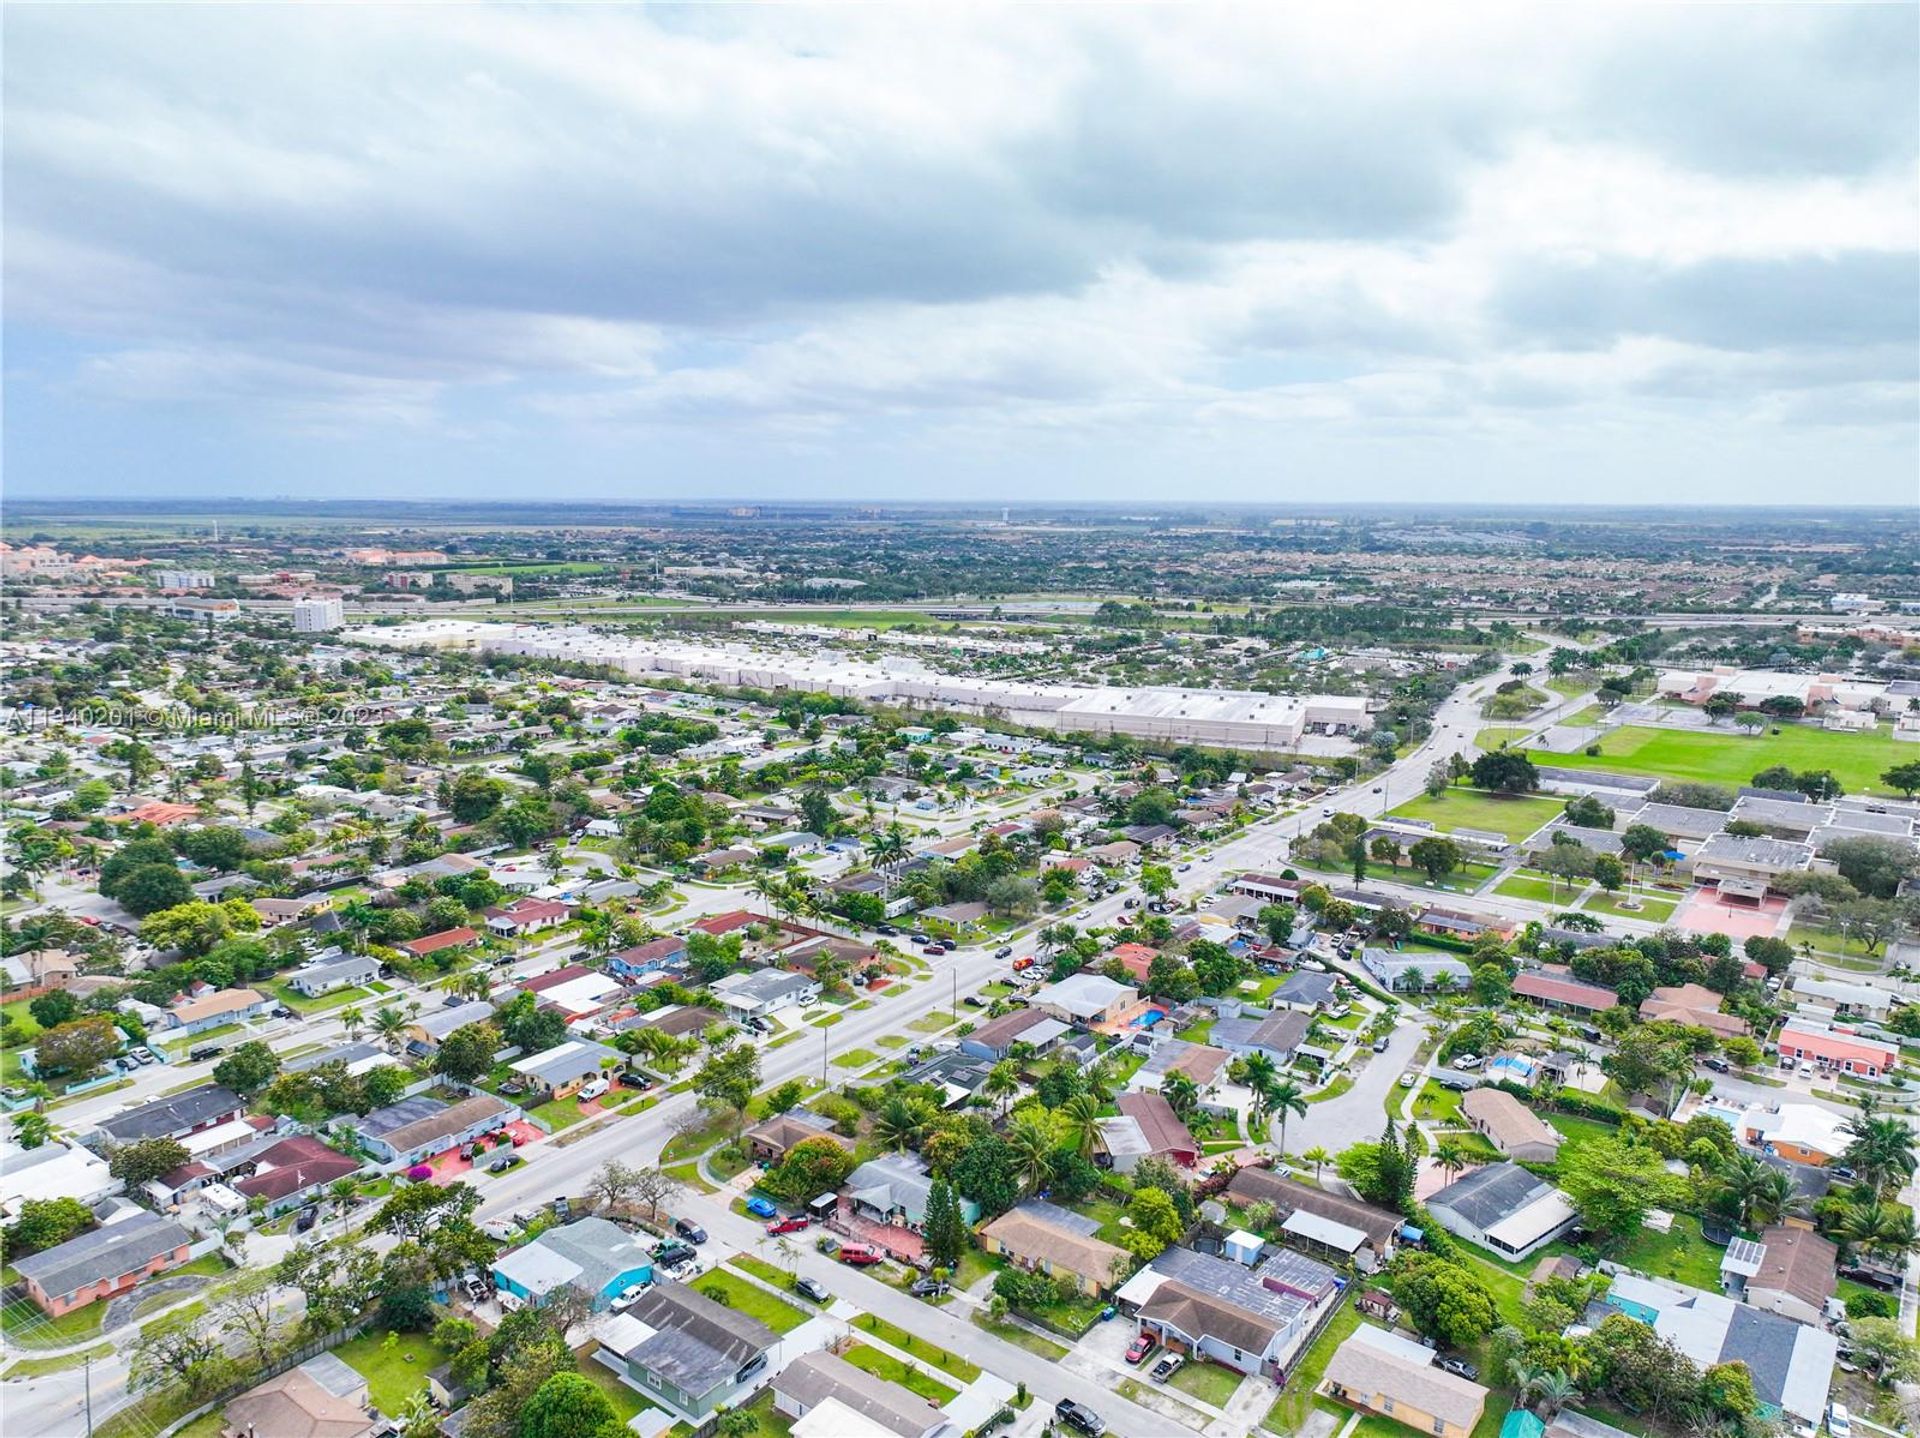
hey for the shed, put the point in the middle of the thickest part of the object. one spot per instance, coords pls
(1244, 1247)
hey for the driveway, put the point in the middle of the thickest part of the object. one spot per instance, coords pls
(1360, 1112)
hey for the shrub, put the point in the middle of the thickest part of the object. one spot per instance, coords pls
(1869, 1305)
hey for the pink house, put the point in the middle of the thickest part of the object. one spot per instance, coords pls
(1837, 1050)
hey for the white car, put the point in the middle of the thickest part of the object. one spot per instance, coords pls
(593, 1088)
(1839, 1421)
(504, 1230)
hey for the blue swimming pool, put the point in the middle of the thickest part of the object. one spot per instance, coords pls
(1148, 1019)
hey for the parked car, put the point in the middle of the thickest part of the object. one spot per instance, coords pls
(503, 1230)
(308, 1217)
(886, 930)
(671, 1253)
(142, 1054)
(788, 1225)
(1142, 1346)
(812, 1288)
(562, 1209)
(1078, 1415)
(1004, 952)
(1467, 1063)
(594, 1088)
(974, 1001)
(1839, 1420)
(928, 1288)
(762, 1208)
(629, 1296)
(920, 938)
(204, 1052)
(504, 1162)
(1408, 1080)
(689, 1230)
(1718, 1065)
(1167, 1367)
(1379, 1046)
(1459, 1368)
(860, 1255)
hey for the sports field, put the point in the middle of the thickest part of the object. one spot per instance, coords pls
(1514, 815)
(1729, 756)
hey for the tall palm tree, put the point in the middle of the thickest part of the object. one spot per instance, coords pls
(1181, 1093)
(1032, 1142)
(1753, 1191)
(1002, 1083)
(1081, 1114)
(1285, 1099)
(390, 1024)
(1553, 1390)
(1881, 1151)
(1319, 1158)
(1261, 1074)
(1451, 1155)
(353, 1021)
(1876, 1228)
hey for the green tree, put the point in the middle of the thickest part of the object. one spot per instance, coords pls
(1612, 1184)
(1436, 856)
(137, 1163)
(78, 1047)
(946, 1228)
(1505, 772)
(248, 1069)
(153, 888)
(467, 1052)
(1904, 777)
(810, 1168)
(1445, 1300)
(568, 1405)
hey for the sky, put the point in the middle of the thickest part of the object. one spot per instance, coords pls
(1631, 254)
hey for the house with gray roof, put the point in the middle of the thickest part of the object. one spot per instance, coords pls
(758, 994)
(1414, 970)
(560, 1071)
(425, 1032)
(598, 1258)
(1503, 1208)
(1277, 1036)
(686, 1352)
(1224, 1311)
(333, 971)
(415, 1129)
(175, 1116)
(894, 1188)
(819, 1378)
(103, 1262)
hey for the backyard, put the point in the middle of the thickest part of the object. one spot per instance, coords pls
(394, 1364)
(1732, 757)
(1515, 815)
(895, 1370)
(751, 1299)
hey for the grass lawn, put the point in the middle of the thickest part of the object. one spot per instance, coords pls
(1021, 1338)
(1825, 940)
(28, 1327)
(1541, 891)
(1494, 735)
(205, 1036)
(1579, 1130)
(1682, 1255)
(1655, 910)
(761, 1269)
(855, 1058)
(394, 1374)
(934, 1022)
(559, 1113)
(1333, 1090)
(1726, 756)
(40, 1367)
(947, 1362)
(1289, 1414)
(1209, 1382)
(626, 1401)
(768, 1424)
(1436, 1102)
(1515, 815)
(825, 1021)
(301, 1004)
(894, 1370)
(207, 1425)
(207, 1265)
(18, 1011)
(750, 1299)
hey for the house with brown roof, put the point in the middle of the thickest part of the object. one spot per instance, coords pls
(433, 943)
(1044, 1238)
(770, 1139)
(1379, 1372)
(1694, 1005)
(223, 1006)
(318, 1399)
(1798, 1272)
(293, 1171)
(1510, 1125)
(1166, 1135)
(1372, 1234)
(1554, 988)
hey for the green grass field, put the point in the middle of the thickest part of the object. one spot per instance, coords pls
(1494, 735)
(1654, 910)
(885, 1365)
(1728, 756)
(1682, 1255)
(394, 1374)
(1515, 815)
(751, 1299)
(1541, 891)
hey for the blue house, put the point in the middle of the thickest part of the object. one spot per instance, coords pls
(647, 958)
(599, 1258)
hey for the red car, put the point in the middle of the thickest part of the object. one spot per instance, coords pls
(1142, 1346)
(858, 1254)
(788, 1225)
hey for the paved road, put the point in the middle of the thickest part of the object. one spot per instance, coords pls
(1360, 1112)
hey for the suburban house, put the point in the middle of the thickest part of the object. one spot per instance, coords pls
(1791, 1363)
(222, 1006)
(1554, 988)
(103, 1262)
(757, 994)
(1694, 1005)
(1512, 1127)
(770, 1139)
(1835, 1050)
(458, 938)
(1205, 1064)
(293, 1171)
(1319, 1221)
(1166, 1136)
(1253, 1321)
(685, 1351)
(1278, 1036)
(575, 991)
(598, 1258)
(647, 958)
(1086, 1000)
(53, 1170)
(1413, 971)
(1307, 990)
(1844, 1000)
(1380, 1372)
(333, 971)
(1044, 1238)
(1798, 1132)
(425, 1032)
(205, 1107)
(415, 1129)
(995, 1039)
(525, 916)
(1791, 1271)
(850, 1400)
(322, 1398)
(1504, 1209)
(894, 1189)
(560, 1071)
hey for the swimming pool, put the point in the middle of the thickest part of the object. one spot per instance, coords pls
(1512, 1066)
(1148, 1019)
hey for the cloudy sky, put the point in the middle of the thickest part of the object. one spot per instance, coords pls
(1558, 253)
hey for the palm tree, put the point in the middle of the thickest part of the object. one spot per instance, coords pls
(1002, 1083)
(1451, 1155)
(1261, 1075)
(352, 1020)
(1319, 1158)
(899, 1123)
(1181, 1093)
(1553, 1390)
(1755, 1192)
(1284, 1099)
(1081, 1114)
(1882, 1150)
(1877, 1229)
(390, 1024)
(1032, 1142)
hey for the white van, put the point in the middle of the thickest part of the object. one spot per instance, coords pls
(593, 1088)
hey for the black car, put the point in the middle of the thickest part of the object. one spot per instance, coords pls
(812, 1288)
(974, 1001)
(1004, 953)
(918, 937)
(504, 1162)
(671, 1254)
(928, 1288)
(1719, 1066)
(308, 1217)
(886, 930)
(689, 1230)
(1078, 1415)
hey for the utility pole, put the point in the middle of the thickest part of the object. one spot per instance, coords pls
(823, 1058)
(86, 1367)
